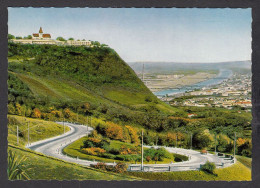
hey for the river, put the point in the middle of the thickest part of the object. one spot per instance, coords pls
(224, 74)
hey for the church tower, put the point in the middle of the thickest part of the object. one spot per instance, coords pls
(40, 32)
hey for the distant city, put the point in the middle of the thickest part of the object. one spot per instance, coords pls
(235, 91)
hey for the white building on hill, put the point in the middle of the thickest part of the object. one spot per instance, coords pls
(45, 38)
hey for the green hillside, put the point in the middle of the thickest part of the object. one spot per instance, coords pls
(57, 76)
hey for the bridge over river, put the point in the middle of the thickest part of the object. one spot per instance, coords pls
(53, 147)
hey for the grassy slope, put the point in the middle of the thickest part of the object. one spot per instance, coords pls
(40, 129)
(245, 160)
(236, 172)
(55, 169)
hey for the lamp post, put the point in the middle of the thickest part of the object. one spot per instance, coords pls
(17, 134)
(235, 145)
(215, 144)
(176, 140)
(142, 152)
(191, 141)
(28, 134)
(63, 126)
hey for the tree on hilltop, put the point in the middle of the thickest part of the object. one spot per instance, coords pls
(11, 36)
(60, 39)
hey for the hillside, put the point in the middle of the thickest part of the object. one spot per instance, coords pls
(90, 81)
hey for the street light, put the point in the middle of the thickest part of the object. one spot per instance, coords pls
(215, 144)
(190, 140)
(142, 159)
(235, 145)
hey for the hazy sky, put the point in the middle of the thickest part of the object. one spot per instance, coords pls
(173, 35)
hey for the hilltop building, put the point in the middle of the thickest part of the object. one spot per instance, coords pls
(41, 35)
(45, 38)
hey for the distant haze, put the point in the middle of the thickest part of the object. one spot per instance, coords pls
(151, 34)
(166, 67)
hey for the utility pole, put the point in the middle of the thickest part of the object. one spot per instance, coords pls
(143, 73)
(28, 134)
(235, 145)
(17, 135)
(191, 141)
(142, 152)
(63, 126)
(176, 140)
(215, 144)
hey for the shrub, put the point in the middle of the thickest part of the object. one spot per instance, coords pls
(14, 168)
(208, 167)
(36, 113)
(180, 158)
(148, 158)
(93, 151)
(101, 166)
(120, 167)
(108, 155)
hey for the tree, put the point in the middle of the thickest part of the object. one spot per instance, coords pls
(11, 109)
(203, 139)
(67, 113)
(60, 39)
(36, 113)
(11, 36)
(224, 143)
(71, 38)
(28, 37)
(18, 37)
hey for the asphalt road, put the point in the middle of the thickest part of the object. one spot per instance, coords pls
(54, 146)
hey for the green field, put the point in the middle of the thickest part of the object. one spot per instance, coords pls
(41, 167)
(236, 172)
(40, 129)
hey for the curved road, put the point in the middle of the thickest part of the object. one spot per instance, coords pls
(54, 146)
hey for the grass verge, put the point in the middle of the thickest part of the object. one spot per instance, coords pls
(236, 172)
(41, 167)
(39, 129)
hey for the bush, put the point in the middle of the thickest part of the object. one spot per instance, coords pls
(93, 151)
(101, 166)
(114, 151)
(120, 167)
(208, 167)
(180, 158)
(108, 155)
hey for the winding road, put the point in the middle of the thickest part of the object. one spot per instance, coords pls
(53, 147)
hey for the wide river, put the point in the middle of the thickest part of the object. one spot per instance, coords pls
(224, 74)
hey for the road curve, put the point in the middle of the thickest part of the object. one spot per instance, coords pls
(54, 146)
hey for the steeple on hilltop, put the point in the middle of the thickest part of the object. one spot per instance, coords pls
(40, 31)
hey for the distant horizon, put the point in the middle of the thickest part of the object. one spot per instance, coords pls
(188, 62)
(147, 34)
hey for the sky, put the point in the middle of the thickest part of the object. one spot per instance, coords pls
(147, 34)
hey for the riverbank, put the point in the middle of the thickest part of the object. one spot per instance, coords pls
(224, 74)
(163, 82)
